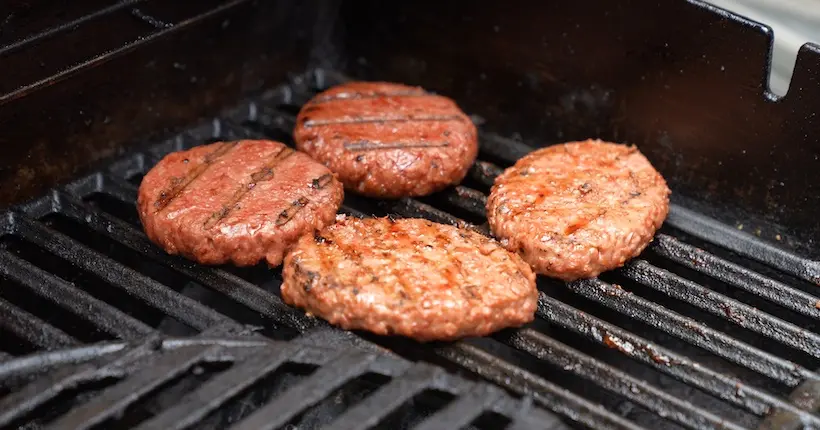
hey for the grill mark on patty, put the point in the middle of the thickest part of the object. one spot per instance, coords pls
(178, 185)
(367, 145)
(295, 207)
(309, 123)
(265, 173)
(322, 181)
(365, 96)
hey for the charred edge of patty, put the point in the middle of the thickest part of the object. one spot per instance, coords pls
(319, 239)
(367, 95)
(306, 279)
(309, 123)
(265, 173)
(367, 145)
(177, 185)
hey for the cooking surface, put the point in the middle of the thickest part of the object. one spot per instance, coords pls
(709, 328)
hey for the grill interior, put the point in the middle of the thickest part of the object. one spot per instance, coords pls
(213, 383)
(710, 328)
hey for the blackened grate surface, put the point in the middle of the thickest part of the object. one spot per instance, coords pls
(710, 328)
(240, 383)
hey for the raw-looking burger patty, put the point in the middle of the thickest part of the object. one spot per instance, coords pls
(409, 277)
(388, 140)
(236, 202)
(578, 209)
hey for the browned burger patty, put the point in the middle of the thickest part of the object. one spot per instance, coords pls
(578, 209)
(236, 202)
(388, 140)
(409, 277)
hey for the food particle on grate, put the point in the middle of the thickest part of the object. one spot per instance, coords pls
(239, 201)
(577, 209)
(388, 140)
(409, 277)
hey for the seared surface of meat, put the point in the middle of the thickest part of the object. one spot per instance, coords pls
(236, 202)
(388, 140)
(577, 209)
(409, 277)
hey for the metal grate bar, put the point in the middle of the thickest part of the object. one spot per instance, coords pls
(34, 363)
(692, 331)
(33, 329)
(738, 276)
(152, 292)
(119, 189)
(116, 399)
(308, 392)
(38, 393)
(71, 25)
(219, 280)
(82, 304)
(378, 405)
(471, 200)
(462, 411)
(544, 392)
(484, 173)
(197, 405)
(347, 210)
(108, 55)
(636, 390)
(744, 244)
(502, 148)
(729, 309)
(664, 360)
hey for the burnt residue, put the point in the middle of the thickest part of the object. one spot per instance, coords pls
(630, 348)
(730, 313)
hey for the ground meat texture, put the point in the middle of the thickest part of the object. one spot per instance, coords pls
(388, 140)
(409, 277)
(236, 202)
(578, 209)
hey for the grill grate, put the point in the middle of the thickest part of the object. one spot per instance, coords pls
(710, 328)
(128, 375)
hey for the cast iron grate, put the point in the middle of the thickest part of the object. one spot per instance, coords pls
(217, 383)
(710, 328)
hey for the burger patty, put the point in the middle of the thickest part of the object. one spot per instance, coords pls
(578, 209)
(409, 277)
(236, 202)
(388, 140)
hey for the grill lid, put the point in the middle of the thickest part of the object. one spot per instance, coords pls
(710, 328)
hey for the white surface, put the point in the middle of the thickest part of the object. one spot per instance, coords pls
(794, 22)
